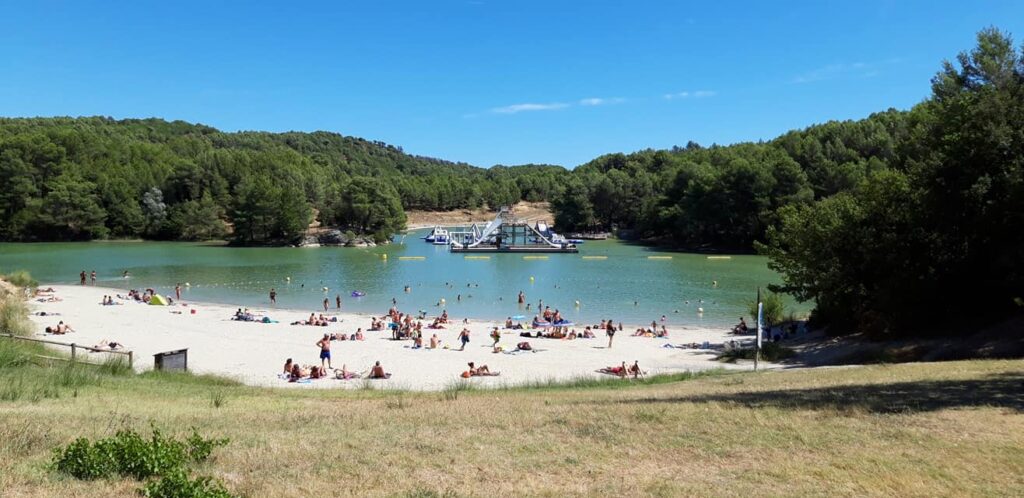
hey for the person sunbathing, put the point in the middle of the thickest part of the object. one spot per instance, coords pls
(481, 371)
(344, 374)
(317, 372)
(620, 371)
(60, 329)
(288, 366)
(377, 372)
(434, 342)
(359, 334)
(111, 345)
(740, 328)
(296, 374)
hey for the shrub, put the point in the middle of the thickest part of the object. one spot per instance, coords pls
(14, 317)
(20, 278)
(770, 351)
(178, 485)
(773, 308)
(129, 454)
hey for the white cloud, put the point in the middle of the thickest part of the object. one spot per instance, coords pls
(601, 101)
(517, 108)
(699, 94)
(845, 70)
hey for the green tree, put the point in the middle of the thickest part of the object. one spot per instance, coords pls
(71, 211)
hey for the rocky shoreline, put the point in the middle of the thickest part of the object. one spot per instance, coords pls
(337, 238)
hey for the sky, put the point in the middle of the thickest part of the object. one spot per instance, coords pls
(483, 81)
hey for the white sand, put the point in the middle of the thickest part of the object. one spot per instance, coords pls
(254, 353)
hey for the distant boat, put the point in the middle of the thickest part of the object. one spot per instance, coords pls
(438, 236)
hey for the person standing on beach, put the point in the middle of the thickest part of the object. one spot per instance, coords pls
(273, 296)
(610, 331)
(93, 277)
(496, 335)
(177, 291)
(325, 351)
(464, 338)
(327, 304)
(337, 300)
(81, 277)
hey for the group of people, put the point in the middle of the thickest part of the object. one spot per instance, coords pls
(653, 331)
(82, 276)
(317, 321)
(143, 297)
(294, 372)
(109, 301)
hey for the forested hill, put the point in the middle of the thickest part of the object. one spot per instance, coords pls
(85, 178)
(726, 197)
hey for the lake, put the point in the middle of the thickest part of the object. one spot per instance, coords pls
(611, 279)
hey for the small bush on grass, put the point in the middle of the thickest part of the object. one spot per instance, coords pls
(452, 390)
(115, 366)
(178, 485)
(771, 351)
(128, 454)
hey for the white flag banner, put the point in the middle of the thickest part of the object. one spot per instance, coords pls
(760, 315)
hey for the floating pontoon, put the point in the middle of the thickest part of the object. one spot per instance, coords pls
(506, 234)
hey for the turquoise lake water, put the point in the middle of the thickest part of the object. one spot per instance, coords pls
(628, 286)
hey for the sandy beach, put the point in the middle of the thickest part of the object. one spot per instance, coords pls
(254, 353)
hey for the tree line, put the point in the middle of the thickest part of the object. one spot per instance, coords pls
(95, 177)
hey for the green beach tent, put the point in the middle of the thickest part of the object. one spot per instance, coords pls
(157, 300)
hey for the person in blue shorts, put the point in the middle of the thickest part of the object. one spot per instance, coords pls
(325, 351)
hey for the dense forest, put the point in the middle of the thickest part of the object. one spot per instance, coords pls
(880, 221)
(87, 178)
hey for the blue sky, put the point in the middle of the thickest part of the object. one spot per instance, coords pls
(484, 81)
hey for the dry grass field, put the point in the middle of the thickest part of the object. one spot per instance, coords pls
(925, 429)
(951, 429)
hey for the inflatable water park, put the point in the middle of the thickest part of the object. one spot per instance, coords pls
(507, 234)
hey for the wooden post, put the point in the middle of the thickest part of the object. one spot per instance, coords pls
(130, 360)
(72, 352)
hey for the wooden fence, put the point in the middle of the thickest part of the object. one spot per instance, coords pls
(74, 349)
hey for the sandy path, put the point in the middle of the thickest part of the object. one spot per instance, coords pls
(253, 353)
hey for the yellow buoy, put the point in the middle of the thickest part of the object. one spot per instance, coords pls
(659, 257)
(383, 256)
(719, 257)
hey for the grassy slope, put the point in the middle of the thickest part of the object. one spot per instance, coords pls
(915, 429)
